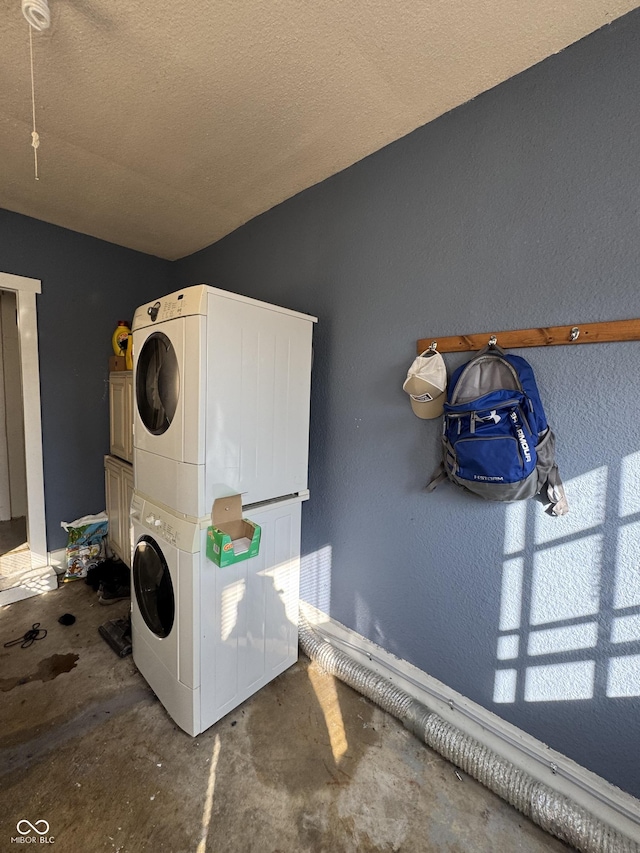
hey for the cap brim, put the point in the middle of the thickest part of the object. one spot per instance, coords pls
(428, 409)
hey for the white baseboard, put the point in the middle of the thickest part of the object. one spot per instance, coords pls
(599, 797)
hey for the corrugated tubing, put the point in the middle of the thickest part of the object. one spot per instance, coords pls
(554, 812)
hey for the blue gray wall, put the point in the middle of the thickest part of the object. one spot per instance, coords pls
(87, 286)
(518, 209)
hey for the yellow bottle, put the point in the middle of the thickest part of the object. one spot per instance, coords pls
(120, 336)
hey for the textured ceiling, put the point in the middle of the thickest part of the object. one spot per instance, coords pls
(166, 125)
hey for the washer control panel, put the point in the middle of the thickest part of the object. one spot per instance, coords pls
(162, 524)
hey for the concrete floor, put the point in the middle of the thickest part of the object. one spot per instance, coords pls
(306, 765)
(13, 534)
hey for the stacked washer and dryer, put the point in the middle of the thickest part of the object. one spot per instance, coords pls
(221, 388)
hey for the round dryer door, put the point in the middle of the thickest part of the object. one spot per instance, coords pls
(157, 383)
(153, 587)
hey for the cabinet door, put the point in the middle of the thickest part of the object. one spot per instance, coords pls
(128, 418)
(121, 415)
(113, 496)
(117, 415)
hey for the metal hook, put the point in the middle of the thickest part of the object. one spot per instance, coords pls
(493, 341)
(574, 334)
(434, 346)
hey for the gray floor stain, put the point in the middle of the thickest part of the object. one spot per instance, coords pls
(30, 745)
(47, 670)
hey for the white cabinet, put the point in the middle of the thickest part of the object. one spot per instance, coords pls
(118, 476)
(121, 414)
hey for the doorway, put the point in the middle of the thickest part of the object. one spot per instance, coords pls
(24, 570)
(14, 548)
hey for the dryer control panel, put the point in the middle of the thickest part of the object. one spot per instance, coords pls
(182, 303)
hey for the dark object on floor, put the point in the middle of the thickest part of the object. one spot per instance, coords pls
(67, 619)
(111, 579)
(29, 638)
(117, 633)
(110, 593)
(108, 572)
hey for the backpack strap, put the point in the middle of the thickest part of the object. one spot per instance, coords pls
(494, 348)
(555, 493)
(437, 477)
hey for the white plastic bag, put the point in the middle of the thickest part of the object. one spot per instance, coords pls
(86, 544)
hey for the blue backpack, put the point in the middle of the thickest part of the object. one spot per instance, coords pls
(496, 441)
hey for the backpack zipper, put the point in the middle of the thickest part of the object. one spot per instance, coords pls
(475, 418)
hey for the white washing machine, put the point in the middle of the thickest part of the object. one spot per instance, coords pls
(221, 388)
(206, 638)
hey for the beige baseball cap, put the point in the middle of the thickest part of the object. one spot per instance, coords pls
(426, 385)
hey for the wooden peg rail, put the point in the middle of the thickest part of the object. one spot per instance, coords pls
(551, 336)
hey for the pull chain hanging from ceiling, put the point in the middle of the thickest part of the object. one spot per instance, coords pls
(38, 17)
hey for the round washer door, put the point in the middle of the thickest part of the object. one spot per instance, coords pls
(153, 587)
(157, 383)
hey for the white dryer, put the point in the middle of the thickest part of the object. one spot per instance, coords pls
(206, 638)
(221, 387)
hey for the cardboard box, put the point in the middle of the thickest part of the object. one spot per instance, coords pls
(117, 362)
(231, 538)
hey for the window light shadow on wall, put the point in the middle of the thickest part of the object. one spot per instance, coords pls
(315, 578)
(570, 603)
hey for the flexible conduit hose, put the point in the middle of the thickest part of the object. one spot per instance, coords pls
(37, 13)
(553, 812)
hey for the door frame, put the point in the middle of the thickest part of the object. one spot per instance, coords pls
(26, 290)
